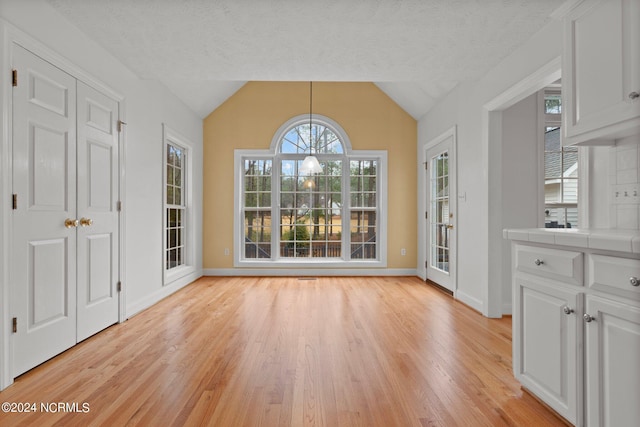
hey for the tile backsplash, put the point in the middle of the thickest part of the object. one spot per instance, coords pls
(624, 182)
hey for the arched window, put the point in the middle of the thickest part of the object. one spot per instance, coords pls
(311, 138)
(291, 216)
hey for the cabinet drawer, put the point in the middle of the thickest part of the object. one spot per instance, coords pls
(614, 275)
(565, 266)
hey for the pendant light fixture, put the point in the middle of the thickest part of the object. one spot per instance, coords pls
(310, 164)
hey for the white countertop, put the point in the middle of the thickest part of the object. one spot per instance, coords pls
(597, 238)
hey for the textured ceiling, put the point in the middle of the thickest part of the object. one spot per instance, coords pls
(414, 50)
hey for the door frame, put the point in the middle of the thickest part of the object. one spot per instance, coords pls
(423, 206)
(494, 257)
(10, 36)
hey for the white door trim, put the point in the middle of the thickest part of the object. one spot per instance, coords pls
(423, 204)
(10, 35)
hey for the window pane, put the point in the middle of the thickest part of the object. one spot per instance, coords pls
(561, 218)
(570, 162)
(356, 183)
(264, 199)
(570, 191)
(264, 183)
(251, 200)
(553, 104)
(552, 191)
(369, 183)
(552, 140)
(177, 177)
(257, 231)
(250, 183)
(370, 200)
(552, 164)
(170, 170)
(170, 195)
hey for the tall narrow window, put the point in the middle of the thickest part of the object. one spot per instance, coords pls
(178, 236)
(289, 216)
(175, 207)
(257, 208)
(560, 168)
(363, 208)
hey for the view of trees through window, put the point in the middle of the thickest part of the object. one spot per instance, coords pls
(331, 214)
(176, 208)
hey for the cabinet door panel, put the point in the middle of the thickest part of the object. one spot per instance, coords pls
(600, 71)
(545, 341)
(613, 363)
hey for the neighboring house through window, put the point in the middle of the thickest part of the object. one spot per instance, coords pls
(560, 168)
(334, 216)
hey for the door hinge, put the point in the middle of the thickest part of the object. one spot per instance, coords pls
(426, 215)
(426, 165)
(426, 264)
(14, 78)
(119, 286)
(14, 325)
(14, 201)
(120, 124)
(119, 205)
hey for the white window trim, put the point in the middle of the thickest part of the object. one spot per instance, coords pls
(271, 154)
(170, 136)
(583, 165)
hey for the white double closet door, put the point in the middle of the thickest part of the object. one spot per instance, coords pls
(64, 269)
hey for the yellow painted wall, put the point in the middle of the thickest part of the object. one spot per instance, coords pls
(249, 120)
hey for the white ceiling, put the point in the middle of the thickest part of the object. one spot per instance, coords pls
(414, 50)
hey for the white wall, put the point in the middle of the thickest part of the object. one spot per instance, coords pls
(520, 183)
(147, 105)
(479, 233)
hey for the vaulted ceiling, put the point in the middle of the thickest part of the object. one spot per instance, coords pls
(416, 51)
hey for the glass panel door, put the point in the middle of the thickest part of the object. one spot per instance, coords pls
(439, 212)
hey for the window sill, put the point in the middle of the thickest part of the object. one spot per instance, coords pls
(320, 263)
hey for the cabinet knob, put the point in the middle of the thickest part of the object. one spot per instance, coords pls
(538, 261)
(589, 318)
(634, 95)
(567, 310)
(634, 281)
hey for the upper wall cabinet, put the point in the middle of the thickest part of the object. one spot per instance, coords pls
(601, 71)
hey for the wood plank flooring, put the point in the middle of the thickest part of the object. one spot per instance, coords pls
(373, 351)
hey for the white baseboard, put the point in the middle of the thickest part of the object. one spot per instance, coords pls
(467, 299)
(507, 309)
(161, 294)
(309, 272)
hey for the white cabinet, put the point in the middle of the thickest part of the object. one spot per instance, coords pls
(601, 71)
(612, 350)
(546, 340)
(545, 325)
(576, 331)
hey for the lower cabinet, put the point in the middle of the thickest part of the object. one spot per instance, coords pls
(576, 343)
(545, 345)
(612, 350)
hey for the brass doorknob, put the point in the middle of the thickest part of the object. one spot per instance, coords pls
(70, 223)
(86, 222)
(449, 226)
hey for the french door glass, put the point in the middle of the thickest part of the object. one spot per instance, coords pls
(439, 212)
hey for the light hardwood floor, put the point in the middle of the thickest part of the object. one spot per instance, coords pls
(374, 351)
